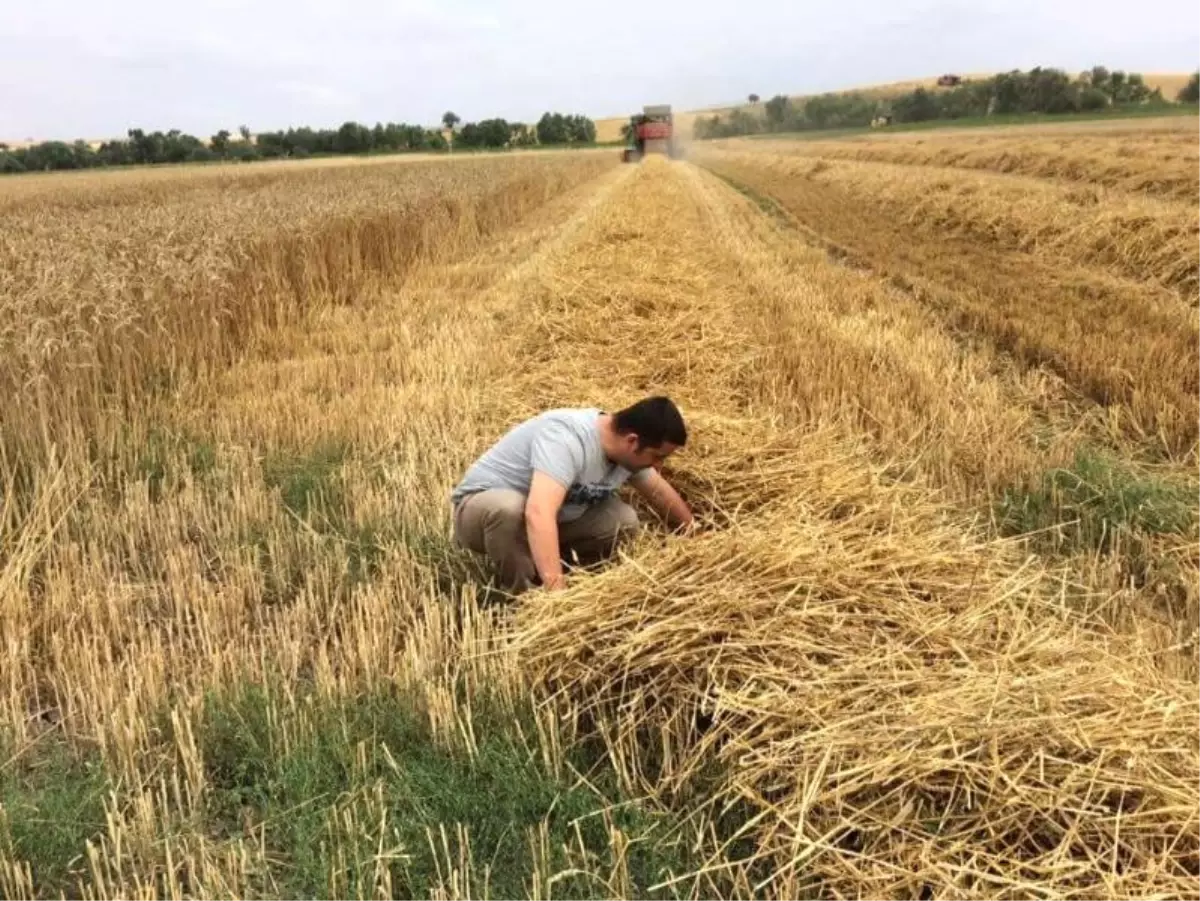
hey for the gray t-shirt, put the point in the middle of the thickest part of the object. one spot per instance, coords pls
(564, 444)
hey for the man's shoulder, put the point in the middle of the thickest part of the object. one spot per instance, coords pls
(574, 420)
(571, 413)
(566, 430)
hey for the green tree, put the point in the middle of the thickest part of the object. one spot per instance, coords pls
(147, 148)
(53, 155)
(1116, 85)
(1093, 98)
(580, 129)
(243, 151)
(220, 141)
(1049, 91)
(521, 135)
(115, 153)
(178, 147)
(840, 111)
(1190, 92)
(778, 110)
(742, 123)
(494, 133)
(918, 106)
(470, 135)
(433, 139)
(273, 144)
(352, 138)
(552, 129)
(969, 98)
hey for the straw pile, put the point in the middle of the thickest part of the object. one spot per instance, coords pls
(910, 709)
(902, 707)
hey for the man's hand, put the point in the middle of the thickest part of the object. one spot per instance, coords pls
(541, 524)
(666, 500)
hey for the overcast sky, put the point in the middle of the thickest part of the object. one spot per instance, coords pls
(78, 68)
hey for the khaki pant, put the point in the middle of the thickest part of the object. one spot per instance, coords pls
(493, 523)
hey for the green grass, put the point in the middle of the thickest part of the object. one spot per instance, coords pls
(366, 773)
(160, 459)
(162, 448)
(308, 483)
(312, 489)
(339, 790)
(1098, 503)
(51, 804)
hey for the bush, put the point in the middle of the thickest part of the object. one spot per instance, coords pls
(555, 128)
(1190, 92)
(10, 163)
(1092, 99)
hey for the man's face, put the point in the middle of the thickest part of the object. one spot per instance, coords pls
(633, 458)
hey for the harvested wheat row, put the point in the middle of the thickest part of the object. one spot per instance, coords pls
(1145, 239)
(1135, 157)
(903, 708)
(912, 711)
(1128, 346)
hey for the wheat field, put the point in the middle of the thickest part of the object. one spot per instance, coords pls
(936, 636)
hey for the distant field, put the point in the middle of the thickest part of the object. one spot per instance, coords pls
(609, 129)
(935, 637)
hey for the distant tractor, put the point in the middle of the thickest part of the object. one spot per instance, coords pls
(651, 131)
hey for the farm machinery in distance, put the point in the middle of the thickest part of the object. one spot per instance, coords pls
(651, 131)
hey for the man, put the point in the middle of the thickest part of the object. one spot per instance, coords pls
(548, 488)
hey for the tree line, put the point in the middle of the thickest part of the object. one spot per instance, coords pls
(140, 147)
(552, 129)
(1040, 90)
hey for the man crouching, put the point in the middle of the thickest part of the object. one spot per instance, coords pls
(548, 489)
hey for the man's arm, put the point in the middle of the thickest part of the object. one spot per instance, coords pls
(662, 497)
(541, 524)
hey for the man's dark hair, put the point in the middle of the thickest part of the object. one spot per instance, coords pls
(654, 420)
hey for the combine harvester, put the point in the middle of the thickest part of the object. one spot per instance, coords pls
(652, 131)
